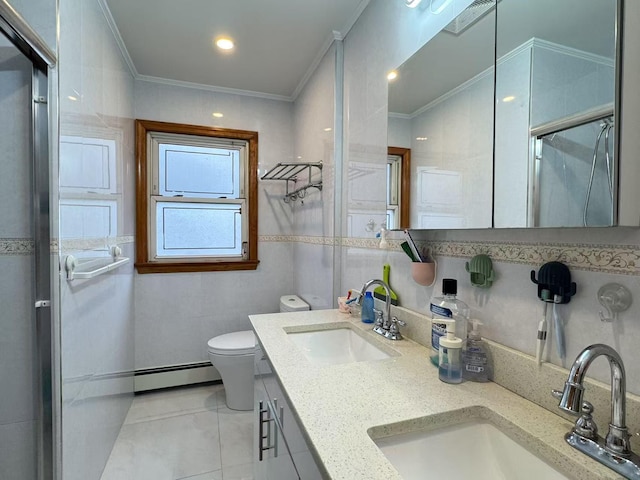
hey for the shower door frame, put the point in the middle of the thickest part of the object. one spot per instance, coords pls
(43, 60)
(560, 126)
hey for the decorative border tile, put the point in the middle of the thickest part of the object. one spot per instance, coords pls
(615, 259)
(76, 244)
(314, 240)
(16, 246)
(619, 259)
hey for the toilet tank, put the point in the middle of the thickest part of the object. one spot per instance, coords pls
(292, 303)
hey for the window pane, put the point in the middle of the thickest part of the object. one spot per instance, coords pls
(198, 229)
(199, 171)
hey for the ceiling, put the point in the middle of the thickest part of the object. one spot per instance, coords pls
(277, 41)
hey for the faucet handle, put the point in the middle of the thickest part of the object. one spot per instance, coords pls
(379, 317)
(395, 320)
(585, 425)
(394, 331)
(556, 393)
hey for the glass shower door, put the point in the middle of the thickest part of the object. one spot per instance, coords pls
(25, 339)
(575, 175)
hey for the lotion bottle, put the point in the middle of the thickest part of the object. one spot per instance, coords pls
(450, 358)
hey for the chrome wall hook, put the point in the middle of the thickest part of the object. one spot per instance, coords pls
(615, 298)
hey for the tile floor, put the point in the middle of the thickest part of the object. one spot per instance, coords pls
(183, 434)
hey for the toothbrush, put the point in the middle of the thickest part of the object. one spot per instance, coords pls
(542, 334)
(542, 326)
(559, 328)
(412, 246)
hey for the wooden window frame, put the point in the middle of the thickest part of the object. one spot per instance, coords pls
(143, 263)
(405, 182)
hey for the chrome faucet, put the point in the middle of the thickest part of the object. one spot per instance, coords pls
(615, 450)
(385, 324)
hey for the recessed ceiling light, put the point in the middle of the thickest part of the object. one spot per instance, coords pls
(224, 43)
(392, 75)
(72, 98)
(421, 139)
(328, 129)
(510, 98)
(299, 157)
(217, 114)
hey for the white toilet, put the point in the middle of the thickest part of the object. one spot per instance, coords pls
(233, 355)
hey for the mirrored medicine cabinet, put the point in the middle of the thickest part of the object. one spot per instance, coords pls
(510, 117)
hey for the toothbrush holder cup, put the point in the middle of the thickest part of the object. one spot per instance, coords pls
(424, 273)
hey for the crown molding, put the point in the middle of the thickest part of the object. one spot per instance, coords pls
(211, 88)
(331, 38)
(118, 38)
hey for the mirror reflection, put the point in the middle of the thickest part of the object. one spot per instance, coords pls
(441, 107)
(555, 119)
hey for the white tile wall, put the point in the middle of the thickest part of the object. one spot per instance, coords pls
(564, 84)
(313, 113)
(459, 141)
(399, 132)
(177, 314)
(15, 87)
(270, 118)
(511, 155)
(96, 314)
(17, 354)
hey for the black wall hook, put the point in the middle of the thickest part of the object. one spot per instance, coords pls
(554, 278)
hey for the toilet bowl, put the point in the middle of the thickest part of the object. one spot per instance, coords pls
(233, 355)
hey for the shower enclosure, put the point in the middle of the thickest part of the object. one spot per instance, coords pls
(26, 413)
(575, 171)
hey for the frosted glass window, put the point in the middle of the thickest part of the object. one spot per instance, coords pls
(198, 229)
(193, 171)
(200, 198)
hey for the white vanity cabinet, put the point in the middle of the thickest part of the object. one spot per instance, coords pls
(280, 450)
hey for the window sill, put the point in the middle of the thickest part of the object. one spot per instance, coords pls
(174, 267)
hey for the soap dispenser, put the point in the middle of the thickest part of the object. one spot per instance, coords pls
(477, 361)
(450, 364)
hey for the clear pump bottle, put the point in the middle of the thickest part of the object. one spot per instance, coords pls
(450, 355)
(445, 307)
(477, 360)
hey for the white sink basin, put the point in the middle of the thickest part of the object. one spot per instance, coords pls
(476, 450)
(331, 347)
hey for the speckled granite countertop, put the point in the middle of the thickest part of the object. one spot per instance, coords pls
(340, 406)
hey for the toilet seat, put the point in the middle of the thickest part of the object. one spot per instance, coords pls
(236, 343)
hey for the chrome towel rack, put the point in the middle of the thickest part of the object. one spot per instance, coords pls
(289, 172)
